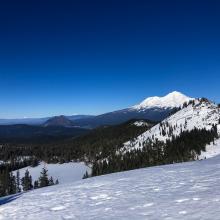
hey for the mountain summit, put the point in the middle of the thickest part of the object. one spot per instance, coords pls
(172, 100)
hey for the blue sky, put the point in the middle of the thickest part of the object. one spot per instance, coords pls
(90, 57)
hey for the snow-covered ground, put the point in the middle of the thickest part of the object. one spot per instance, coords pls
(65, 173)
(179, 191)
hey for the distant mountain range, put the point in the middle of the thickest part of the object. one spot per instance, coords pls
(38, 121)
(153, 108)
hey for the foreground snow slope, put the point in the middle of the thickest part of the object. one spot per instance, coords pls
(65, 173)
(179, 191)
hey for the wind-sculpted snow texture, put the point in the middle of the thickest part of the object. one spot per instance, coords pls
(179, 191)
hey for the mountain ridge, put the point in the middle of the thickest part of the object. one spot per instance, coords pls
(200, 114)
(152, 108)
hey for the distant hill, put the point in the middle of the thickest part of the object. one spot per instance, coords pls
(59, 121)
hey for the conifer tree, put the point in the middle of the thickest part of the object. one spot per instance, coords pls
(2, 185)
(86, 175)
(26, 181)
(18, 188)
(51, 183)
(4, 182)
(43, 179)
(36, 184)
(12, 184)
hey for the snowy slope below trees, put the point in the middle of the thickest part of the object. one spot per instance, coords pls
(212, 150)
(180, 191)
(65, 173)
(203, 114)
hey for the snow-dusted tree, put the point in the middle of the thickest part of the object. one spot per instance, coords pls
(43, 179)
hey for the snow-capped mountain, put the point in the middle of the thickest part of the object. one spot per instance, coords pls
(172, 100)
(153, 108)
(201, 113)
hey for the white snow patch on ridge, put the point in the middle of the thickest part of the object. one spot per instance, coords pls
(140, 123)
(172, 100)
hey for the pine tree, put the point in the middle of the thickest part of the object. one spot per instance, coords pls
(86, 175)
(34, 162)
(26, 181)
(51, 183)
(36, 184)
(43, 179)
(1, 185)
(31, 185)
(18, 188)
(57, 182)
(4, 182)
(12, 184)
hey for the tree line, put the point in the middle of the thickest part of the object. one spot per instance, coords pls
(11, 184)
(183, 148)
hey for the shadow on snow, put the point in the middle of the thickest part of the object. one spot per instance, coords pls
(8, 199)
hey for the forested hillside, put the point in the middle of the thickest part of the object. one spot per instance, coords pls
(99, 143)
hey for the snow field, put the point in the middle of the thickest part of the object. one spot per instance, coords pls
(179, 191)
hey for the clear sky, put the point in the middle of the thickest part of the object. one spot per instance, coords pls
(91, 57)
